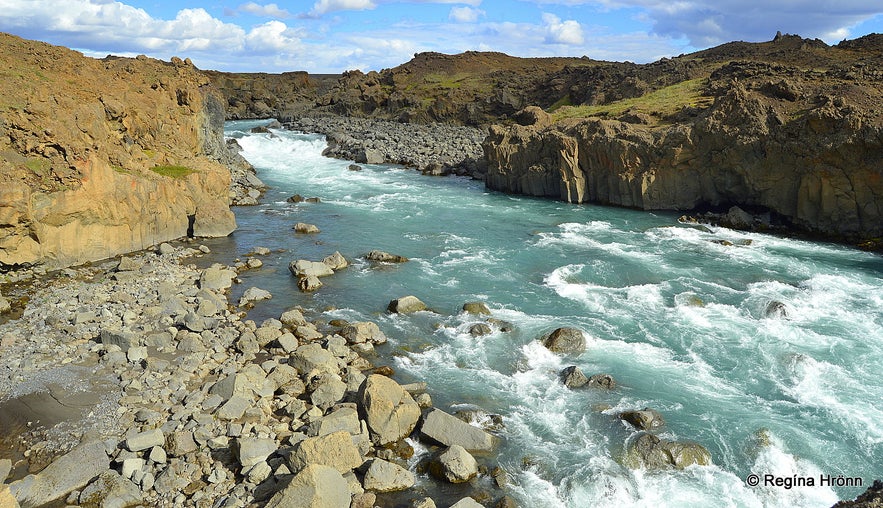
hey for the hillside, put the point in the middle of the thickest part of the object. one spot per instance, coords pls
(100, 157)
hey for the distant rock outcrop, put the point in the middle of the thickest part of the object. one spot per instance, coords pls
(101, 157)
(804, 145)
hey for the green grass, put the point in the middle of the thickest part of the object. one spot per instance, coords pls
(660, 103)
(172, 171)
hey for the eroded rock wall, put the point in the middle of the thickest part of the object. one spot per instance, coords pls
(822, 171)
(100, 157)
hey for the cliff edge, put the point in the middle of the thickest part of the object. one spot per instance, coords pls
(101, 157)
(801, 140)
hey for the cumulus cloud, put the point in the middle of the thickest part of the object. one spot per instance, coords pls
(272, 37)
(465, 14)
(269, 10)
(562, 32)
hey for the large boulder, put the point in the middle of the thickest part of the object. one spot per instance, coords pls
(311, 357)
(565, 340)
(305, 229)
(111, 490)
(644, 419)
(216, 278)
(449, 430)
(335, 449)
(363, 331)
(336, 261)
(476, 308)
(384, 476)
(651, 452)
(316, 486)
(406, 305)
(455, 465)
(390, 411)
(573, 377)
(384, 257)
(306, 268)
(69, 472)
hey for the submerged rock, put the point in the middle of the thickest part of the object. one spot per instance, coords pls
(645, 419)
(384, 257)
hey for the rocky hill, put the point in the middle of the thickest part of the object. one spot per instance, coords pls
(100, 157)
(791, 127)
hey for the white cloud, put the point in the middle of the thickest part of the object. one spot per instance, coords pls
(271, 37)
(465, 14)
(562, 32)
(269, 10)
(325, 6)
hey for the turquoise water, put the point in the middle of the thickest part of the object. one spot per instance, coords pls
(677, 319)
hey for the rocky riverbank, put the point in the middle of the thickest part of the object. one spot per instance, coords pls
(434, 149)
(136, 381)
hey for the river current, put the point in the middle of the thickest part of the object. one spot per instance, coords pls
(678, 318)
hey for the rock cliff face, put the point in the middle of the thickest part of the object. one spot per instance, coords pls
(802, 143)
(100, 157)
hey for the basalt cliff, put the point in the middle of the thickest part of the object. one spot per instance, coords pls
(101, 157)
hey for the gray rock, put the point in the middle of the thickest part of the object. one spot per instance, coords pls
(306, 268)
(449, 430)
(216, 278)
(383, 476)
(122, 338)
(480, 329)
(5, 468)
(565, 340)
(336, 261)
(645, 419)
(304, 228)
(455, 465)
(293, 317)
(180, 443)
(316, 486)
(384, 257)
(467, 502)
(110, 490)
(252, 450)
(650, 452)
(328, 391)
(69, 472)
(479, 308)
(234, 408)
(573, 377)
(602, 381)
(166, 249)
(390, 412)
(145, 440)
(254, 294)
(311, 357)
(363, 331)
(406, 305)
(344, 419)
(309, 283)
(336, 450)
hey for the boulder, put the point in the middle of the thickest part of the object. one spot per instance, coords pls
(144, 440)
(565, 340)
(309, 283)
(384, 476)
(645, 419)
(476, 308)
(449, 430)
(455, 465)
(216, 278)
(775, 309)
(363, 331)
(254, 294)
(651, 452)
(293, 317)
(252, 450)
(316, 486)
(336, 261)
(406, 305)
(306, 229)
(384, 257)
(111, 490)
(344, 419)
(573, 377)
(480, 329)
(602, 381)
(328, 391)
(311, 357)
(69, 472)
(467, 502)
(335, 449)
(306, 268)
(390, 411)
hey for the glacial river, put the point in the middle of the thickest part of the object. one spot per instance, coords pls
(679, 320)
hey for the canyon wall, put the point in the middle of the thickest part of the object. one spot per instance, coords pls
(101, 157)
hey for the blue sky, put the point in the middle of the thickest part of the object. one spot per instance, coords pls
(330, 36)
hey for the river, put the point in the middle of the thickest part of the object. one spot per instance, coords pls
(676, 316)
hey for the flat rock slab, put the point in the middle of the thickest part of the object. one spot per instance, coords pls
(316, 486)
(69, 472)
(449, 430)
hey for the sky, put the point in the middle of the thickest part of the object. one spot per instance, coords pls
(331, 36)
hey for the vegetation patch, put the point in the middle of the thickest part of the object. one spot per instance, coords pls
(660, 103)
(172, 171)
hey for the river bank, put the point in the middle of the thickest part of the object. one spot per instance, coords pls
(142, 374)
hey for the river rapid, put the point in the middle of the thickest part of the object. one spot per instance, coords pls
(678, 318)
